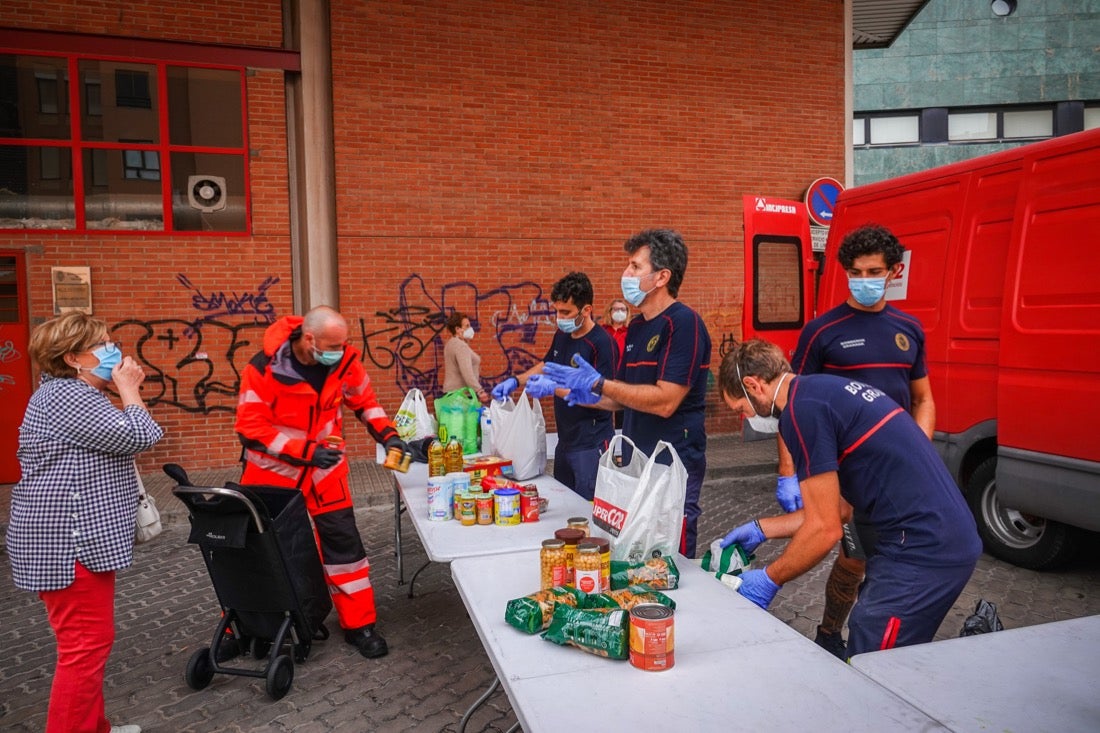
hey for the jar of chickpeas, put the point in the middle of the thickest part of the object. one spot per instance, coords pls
(586, 567)
(554, 561)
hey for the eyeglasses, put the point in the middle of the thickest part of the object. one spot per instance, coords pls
(109, 346)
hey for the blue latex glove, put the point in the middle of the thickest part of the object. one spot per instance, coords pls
(540, 385)
(788, 493)
(748, 535)
(578, 380)
(505, 388)
(581, 397)
(758, 587)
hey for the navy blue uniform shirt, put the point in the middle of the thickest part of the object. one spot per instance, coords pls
(888, 470)
(583, 427)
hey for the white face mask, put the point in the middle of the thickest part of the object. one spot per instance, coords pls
(618, 315)
(468, 334)
(766, 425)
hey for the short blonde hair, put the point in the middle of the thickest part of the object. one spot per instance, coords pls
(71, 333)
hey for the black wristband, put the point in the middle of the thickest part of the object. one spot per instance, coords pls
(597, 388)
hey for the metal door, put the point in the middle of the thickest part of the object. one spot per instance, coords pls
(15, 365)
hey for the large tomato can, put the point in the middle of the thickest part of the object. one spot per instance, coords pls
(651, 637)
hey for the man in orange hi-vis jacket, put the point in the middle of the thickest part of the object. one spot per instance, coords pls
(289, 419)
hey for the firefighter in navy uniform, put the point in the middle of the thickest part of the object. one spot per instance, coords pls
(290, 419)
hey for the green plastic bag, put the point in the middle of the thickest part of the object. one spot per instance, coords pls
(458, 413)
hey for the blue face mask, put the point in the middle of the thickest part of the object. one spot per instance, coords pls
(569, 325)
(328, 358)
(109, 357)
(867, 290)
(632, 290)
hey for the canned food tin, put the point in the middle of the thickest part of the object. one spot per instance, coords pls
(506, 505)
(651, 637)
(440, 499)
(529, 506)
(484, 508)
(467, 510)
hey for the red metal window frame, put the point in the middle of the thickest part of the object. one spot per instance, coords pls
(161, 55)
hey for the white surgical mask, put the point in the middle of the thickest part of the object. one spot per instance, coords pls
(618, 315)
(766, 425)
(468, 334)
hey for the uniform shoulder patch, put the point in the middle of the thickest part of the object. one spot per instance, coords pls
(902, 341)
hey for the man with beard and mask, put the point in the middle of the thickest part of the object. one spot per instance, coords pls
(583, 432)
(855, 450)
(661, 381)
(290, 418)
(870, 341)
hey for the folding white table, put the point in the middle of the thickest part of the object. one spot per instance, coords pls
(736, 666)
(450, 540)
(1036, 678)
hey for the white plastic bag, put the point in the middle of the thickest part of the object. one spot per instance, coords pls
(519, 435)
(641, 504)
(413, 421)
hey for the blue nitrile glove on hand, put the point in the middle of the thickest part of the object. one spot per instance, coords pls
(788, 493)
(749, 536)
(540, 385)
(579, 380)
(758, 587)
(505, 388)
(325, 457)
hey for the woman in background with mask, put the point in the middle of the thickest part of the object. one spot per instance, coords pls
(74, 509)
(461, 364)
(616, 318)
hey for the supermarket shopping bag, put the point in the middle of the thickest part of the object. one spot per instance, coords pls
(641, 503)
(413, 420)
(519, 435)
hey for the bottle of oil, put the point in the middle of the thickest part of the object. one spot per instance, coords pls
(436, 464)
(452, 456)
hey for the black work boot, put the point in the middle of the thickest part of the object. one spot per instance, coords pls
(368, 641)
(833, 643)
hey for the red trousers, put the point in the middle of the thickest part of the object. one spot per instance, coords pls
(83, 620)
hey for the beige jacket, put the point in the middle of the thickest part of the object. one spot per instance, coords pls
(461, 366)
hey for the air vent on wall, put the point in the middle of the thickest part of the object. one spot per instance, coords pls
(206, 193)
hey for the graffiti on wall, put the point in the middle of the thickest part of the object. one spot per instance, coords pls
(407, 337)
(219, 303)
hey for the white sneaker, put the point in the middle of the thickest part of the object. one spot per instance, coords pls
(125, 729)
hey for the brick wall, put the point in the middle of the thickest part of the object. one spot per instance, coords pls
(483, 150)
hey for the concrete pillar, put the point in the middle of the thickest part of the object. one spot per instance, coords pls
(312, 161)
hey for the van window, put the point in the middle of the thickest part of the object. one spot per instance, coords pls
(777, 283)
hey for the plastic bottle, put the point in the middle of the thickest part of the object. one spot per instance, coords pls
(452, 455)
(436, 464)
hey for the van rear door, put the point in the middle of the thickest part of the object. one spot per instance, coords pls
(779, 265)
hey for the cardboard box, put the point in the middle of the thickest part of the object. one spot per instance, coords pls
(481, 466)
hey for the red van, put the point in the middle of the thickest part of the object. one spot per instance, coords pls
(1002, 267)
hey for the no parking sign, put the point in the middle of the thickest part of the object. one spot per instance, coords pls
(821, 200)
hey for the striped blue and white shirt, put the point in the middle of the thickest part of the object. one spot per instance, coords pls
(77, 498)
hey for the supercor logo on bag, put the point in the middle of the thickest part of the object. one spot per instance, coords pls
(608, 516)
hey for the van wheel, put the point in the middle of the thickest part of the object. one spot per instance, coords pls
(1022, 539)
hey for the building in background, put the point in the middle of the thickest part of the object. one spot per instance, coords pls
(971, 77)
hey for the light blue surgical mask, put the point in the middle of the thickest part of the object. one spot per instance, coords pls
(328, 358)
(632, 290)
(109, 356)
(569, 325)
(867, 290)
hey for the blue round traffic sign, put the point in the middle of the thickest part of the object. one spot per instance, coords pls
(821, 200)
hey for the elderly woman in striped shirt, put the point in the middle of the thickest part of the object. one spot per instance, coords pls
(73, 511)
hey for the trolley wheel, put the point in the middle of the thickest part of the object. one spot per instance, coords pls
(280, 675)
(199, 669)
(259, 648)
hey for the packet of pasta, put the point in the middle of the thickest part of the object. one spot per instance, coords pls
(628, 598)
(531, 614)
(659, 573)
(604, 632)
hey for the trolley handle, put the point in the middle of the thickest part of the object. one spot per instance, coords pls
(227, 493)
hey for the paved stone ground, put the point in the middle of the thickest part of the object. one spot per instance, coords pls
(437, 667)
